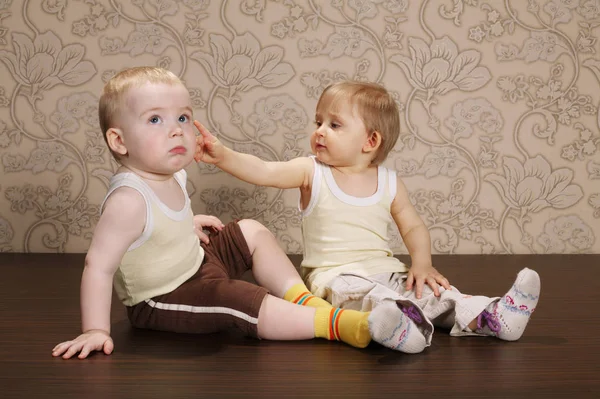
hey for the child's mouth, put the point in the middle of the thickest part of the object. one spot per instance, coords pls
(178, 150)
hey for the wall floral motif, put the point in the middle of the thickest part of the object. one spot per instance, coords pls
(499, 100)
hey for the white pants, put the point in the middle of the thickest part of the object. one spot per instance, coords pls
(451, 310)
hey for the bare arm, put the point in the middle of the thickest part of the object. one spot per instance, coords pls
(418, 242)
(121, 223)
(296, 173)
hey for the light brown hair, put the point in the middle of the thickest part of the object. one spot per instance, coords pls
(376, 108)
(111, 100)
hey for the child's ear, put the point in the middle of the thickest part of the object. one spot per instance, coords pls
(373, 142)
(114, 138)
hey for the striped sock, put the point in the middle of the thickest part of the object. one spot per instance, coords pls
(300, 295)
(349, 326)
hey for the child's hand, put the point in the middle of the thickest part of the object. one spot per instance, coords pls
(208, 148)
(426, 275)
(93, 340)
(203, 222)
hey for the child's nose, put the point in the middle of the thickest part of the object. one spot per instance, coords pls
(176, 130)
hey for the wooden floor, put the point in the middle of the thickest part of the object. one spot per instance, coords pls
(559, 355)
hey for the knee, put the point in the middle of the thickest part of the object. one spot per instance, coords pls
(251, 227)
(253, 231)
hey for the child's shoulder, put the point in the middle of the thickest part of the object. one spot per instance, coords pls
(123, 215)
(125, 198)
(307, 163)
(125, 206)
(126, 190)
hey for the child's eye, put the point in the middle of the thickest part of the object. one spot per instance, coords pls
(184, 118)
(318, 123)
(334, 125)
(154, 119)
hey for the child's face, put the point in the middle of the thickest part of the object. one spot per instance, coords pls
(339, 136)
(156, 123)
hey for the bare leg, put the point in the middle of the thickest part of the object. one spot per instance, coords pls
(272, 268)
(282, 320)
(279, 319)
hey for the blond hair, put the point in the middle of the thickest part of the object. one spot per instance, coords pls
(111, 100)
(376, 108)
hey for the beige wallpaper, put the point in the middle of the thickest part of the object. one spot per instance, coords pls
(500, 141)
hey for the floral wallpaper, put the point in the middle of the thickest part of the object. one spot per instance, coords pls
(500, 138)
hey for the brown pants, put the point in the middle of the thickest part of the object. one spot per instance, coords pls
(213, 299)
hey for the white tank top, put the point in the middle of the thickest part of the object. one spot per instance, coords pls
(167, 253)
(346, 234)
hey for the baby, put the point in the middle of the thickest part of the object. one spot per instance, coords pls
(347, 201)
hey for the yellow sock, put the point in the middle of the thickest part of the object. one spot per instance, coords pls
(349, 326)
(300, 295)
